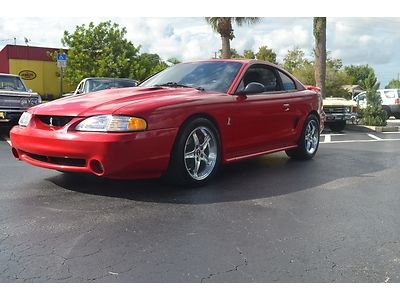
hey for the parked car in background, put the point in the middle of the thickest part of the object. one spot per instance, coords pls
(338, 111)
(390, 101)
(15, 97)
(182, 123)
(93, 84)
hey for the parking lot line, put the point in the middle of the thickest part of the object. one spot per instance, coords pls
(327, 138)
(374, 137)
(362, 141)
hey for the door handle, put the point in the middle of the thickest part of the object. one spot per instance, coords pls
(286, 107)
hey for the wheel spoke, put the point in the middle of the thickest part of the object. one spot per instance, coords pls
(196, 139)
(189, 155)
(206, 142)
(196, 167)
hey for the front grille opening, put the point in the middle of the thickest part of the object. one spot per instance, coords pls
(62, 161)
(56, 121)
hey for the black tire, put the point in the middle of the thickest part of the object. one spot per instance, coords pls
(195, 171)
(337, 126)
(396, 115)
(309, 140)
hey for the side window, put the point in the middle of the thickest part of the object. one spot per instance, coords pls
(287, 82)
(264, 75)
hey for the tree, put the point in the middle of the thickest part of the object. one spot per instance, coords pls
(173, 60)
(393, 84)
(304, 70)
(294, 59)
(234, 53)
(319, 30)
(373, 115)
(98, 51)
(249, 54)
(223, 26)
(147, 64)
(358, 74)
(266, 54)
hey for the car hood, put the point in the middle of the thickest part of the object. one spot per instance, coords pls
(112, 100)
(339, 102)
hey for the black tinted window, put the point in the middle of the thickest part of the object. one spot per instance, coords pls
(264, 75)
(287, 83)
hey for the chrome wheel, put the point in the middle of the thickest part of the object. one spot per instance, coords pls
(200, 153)
(311, 137)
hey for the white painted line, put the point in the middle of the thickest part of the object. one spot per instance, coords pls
(334, 134)
(373, 137)
(327, 138)
(362, 141)
(6, 138)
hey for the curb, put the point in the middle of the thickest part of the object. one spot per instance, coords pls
(365, 128)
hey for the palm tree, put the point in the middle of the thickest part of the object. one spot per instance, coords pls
(319, 31)
(223, 25)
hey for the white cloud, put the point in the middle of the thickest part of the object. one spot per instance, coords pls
(372, 41)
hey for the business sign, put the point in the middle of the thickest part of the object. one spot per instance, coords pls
(27, 75)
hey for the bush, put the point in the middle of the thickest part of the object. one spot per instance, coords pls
(373, 115)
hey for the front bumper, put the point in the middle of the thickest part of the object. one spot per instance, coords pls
(10, 115)
(336, 117)
(112, 155)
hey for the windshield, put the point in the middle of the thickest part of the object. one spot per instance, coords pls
(94, 85)
(11, 83)
(211, 76)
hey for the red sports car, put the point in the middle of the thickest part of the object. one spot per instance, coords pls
(182, 123)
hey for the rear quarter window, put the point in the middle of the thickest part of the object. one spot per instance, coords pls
(287, 83)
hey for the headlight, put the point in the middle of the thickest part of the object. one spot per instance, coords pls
(347, 109)
(24, 119)
(112, 123)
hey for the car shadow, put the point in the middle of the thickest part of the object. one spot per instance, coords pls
(263, 177)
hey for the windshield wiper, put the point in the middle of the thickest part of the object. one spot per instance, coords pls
(175, 84)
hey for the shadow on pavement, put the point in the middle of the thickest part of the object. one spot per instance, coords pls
(267, 176)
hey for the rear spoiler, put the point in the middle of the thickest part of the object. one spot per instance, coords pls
(313, 88)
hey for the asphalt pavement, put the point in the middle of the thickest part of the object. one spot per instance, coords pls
(270, 219)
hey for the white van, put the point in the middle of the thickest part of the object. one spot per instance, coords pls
(390, 101)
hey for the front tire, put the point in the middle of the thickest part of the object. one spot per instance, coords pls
(309, 140)
(196, 155)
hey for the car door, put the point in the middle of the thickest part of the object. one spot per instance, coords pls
(265, 121)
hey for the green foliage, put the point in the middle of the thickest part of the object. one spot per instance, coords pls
(98, 51)
(103, 51)
(249, 54)
(304, 70)
(266, 54)
(294, 59)
(357, 74)
(234, 53)
(393, 84)
(373, 114)
(146, 65)
(173, 60)
(223, 25)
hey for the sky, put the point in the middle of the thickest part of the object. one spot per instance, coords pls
(356, 40)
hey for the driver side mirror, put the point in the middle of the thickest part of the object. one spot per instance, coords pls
(252, 88)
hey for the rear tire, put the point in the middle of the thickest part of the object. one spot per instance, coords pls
(337, 126)
(396, 115)
(196, 155)
(309, 140)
